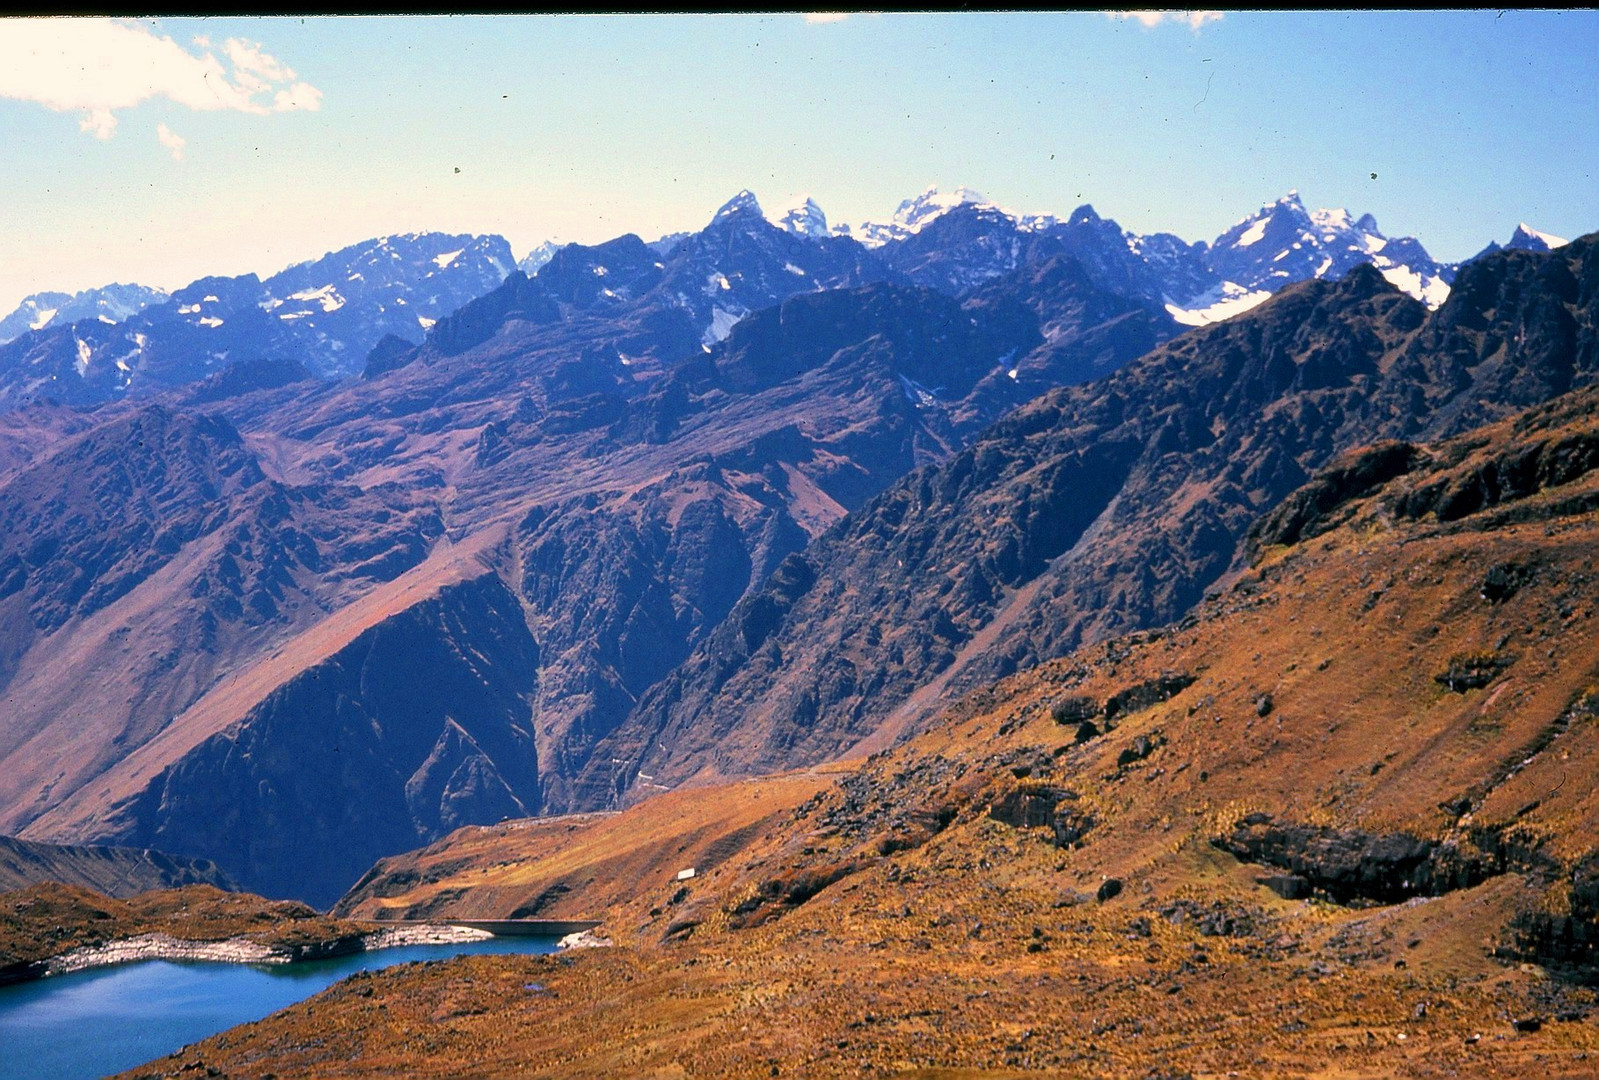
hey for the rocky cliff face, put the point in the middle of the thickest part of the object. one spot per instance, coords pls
(418, 726)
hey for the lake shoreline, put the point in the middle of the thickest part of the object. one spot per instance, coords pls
(144, 1013)
(233, 950)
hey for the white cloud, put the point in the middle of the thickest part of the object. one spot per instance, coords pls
(98, 66)
(817, 17)
(171, 140)
(101, 123)
(1192, 19)
(253, 68)
(299, 96)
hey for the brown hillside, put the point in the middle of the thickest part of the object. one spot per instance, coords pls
(1340, 822)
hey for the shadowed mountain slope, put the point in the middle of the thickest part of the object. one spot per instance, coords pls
(1095, 510)
(112, 871)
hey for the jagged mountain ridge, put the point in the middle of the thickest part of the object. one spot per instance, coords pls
(955, 242)
(325, 314)
(1095, 510)
(740, 262)
(329, 313)
(1199, 283)
(108, 303)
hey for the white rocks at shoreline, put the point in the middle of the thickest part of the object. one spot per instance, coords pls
(161, 947)
(424, 935)
(239, 950)
(583, 939)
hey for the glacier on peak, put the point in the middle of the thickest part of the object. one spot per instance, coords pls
(1220, 302)
(1284, 242)
(801, 216)
(1528, 237)
(914, 214)
(742, 203)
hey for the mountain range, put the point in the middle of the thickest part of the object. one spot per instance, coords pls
(328, 314)
(1095, 510)
(314, 575)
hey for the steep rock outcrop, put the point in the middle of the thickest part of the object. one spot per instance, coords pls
(357, 758)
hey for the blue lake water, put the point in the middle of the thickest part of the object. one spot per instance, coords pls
(109, 1019)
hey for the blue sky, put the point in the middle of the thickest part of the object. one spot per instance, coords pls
(134, 152)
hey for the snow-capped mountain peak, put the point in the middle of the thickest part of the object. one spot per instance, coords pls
(1337, 219)
(1525, 238)
(325, 313)
(914, 214)
(802, 217)
(108, 304)
(1530, 239)
(535, 259)
(1288, 215)
(1283, 242)
(742, 203)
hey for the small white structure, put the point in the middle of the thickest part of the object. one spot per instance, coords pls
(684, 875)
